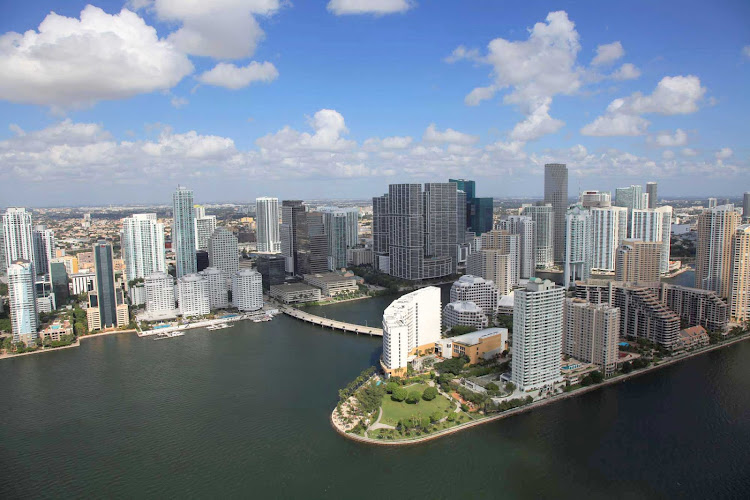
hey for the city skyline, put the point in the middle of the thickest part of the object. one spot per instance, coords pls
(596, 96)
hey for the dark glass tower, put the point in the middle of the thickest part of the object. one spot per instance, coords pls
(105, 284)
(556, 194)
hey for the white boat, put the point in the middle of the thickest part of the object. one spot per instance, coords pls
(219, 327)
(168, 335)
(261, 319)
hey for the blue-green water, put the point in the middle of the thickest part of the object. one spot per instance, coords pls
(244, 412)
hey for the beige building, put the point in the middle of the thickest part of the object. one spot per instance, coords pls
(638, 261)
(332, 284)
(295, 293)
(493, 265)
(713, 260)
(591, 333)
(464, 313)
(695, 336)
(739, 298)
(56, 330)
(478, 345)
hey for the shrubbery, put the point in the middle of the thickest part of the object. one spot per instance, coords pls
(429, 394)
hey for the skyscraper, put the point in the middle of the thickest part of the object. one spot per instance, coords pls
(160, 293)
(352, 226)
(3, 262)
(556, 194)
(19, 243)
(746, 207)
(537, 335)
(205, 225)
(713, 260)
(544, 219)
(578, 257)
(525, 227)
(267, 217)
(290, 211)
(216, 287)
(654, 225)
(336, 224)
(591, 333)
(638, 261)
(609, 228)
(24, 317)
(651, 191)
(142, 242)
(44, 249)
(380, 230)
(247, 290)
(312, 244)
(478, 210)
(591, 199)
(223, 253)
(183, 231)
(105, 284)
(192, 295)
(739, 297)
(630, 197)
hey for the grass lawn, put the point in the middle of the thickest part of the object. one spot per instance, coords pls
(394, 411)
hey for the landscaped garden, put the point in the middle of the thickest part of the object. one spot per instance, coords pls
(416, 407)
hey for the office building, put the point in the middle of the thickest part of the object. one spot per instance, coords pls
(142, 242)
(609, 228)
(544, 220)
(464, 313)
(695, 306)
(59, 279)
(272, 269)
(739, 296)
(160, 293)
(651, 191)
(594, 199)
(332, 284)
(44, 250)
(713, 260)
(638, 261)
(312, 244)
(22, 304)
(591, 333)
(746, 207)
(295, 293)
(183, 231)
(411, 323)
(201, 260)
(267, 217)
(291, 210)
(336, 224)
(216, 287)
(17, 235)
(525, 227)
(537, 335)
(192, 295)
(478, 211)
(380, 231)
(578, 258)
(204, 228)
(630, 197)
(223, 253)
(556, 194)
(247, 290)
(480, 291)
(109, 299)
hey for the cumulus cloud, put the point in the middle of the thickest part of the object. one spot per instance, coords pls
(668, 154)
(689, 152)
(329, 127)
(673, 95)
(232, 77)
(607, 54)
(72, 62)
(376, 7)
(626, 72)
(432, 134)
(724, 153)
(665, 139)
(535, 70)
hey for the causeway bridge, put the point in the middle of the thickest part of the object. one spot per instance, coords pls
(331, 323)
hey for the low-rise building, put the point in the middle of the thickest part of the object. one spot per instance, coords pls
(332, 284)
(690, 338)
(56, 330)
(82, 282)
(464, 313)
(295, 293)
(482, 344)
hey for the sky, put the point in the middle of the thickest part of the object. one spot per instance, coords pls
(119, 102)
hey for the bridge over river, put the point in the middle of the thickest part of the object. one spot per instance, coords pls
(331, 323)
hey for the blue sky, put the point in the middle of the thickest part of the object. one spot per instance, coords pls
(244, 98)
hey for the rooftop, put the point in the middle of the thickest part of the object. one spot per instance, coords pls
(293, 287)
(465, 306)
(474, 338)
(327, 277)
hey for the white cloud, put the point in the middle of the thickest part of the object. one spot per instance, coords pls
(535, 70)
(233, 77)
(626, 72)
(329, 127)
(178, 102)
(689, 152)
(665, 139)
(607, 54)
(222, 29)
(672, 96)
(668, 154)
(377, 7)
(724, 153)
(70, 62)
(448, 135)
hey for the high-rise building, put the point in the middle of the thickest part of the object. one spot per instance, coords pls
(312, 244)
(336, 225)
(204, 228)
(223, 253)
(525, 227)
(201, 260)
(24, 316)
(44, 249)
(537, 335)
(505, 243)
(713, 261)
(3, 261)
(200, 211)
(544, 219)
(638, 261)
(192, 295)
(464, 313)
(493, 265)
(739, 297)
(159, 293)
(712, 202)
(480, 291)
(591, 333)
(654, 225)
(411, 323)
(380, 231)
(746, 207)
(291, 210)
(267, 217)
(578, 258)
(630, 197)
(695, 306)
(272, 269)
(216, 287)
(651, 191)
(556, 194)
(247, 290)
(422, 241)
(595, 199)
(17, 230)
(142, 242)
(59, 278)
(478, 210)
(609, 228)
(105, 286)
(352, 226)
(183, 231)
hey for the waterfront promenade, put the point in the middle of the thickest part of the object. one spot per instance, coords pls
(331, 323)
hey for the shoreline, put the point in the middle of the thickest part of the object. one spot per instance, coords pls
(531, 406)
(77, 343)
